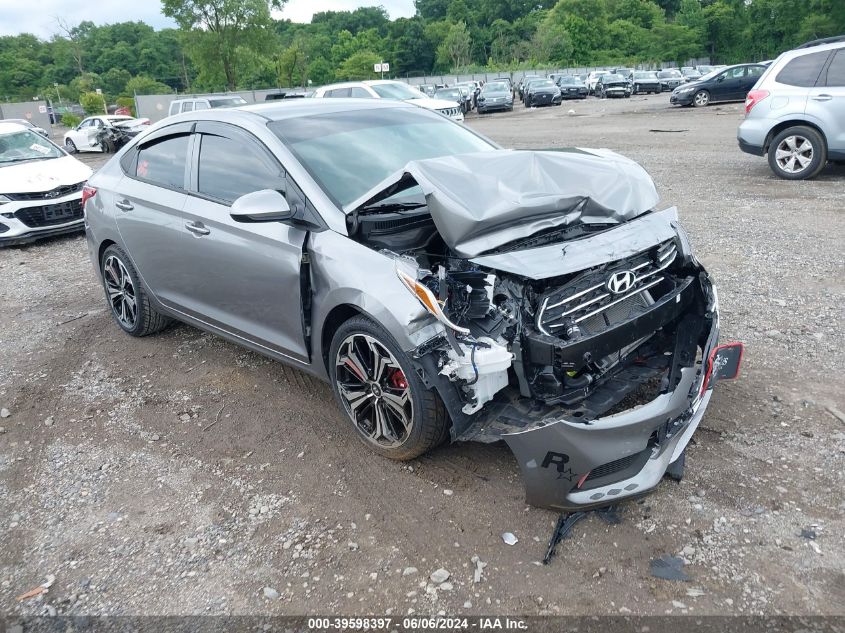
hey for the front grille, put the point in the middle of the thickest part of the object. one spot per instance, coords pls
(58, 192)
(590, 303)
(51, 214)
(450, 112)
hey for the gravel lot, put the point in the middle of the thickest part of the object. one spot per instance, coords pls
(180, 474)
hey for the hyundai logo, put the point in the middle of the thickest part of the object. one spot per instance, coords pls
(621, 282)
(52, 194)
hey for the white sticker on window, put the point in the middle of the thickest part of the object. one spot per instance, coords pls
(41, 149)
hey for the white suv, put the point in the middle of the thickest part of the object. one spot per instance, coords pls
(795, 113)
(387, 89)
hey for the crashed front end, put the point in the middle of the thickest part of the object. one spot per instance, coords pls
(580, 329)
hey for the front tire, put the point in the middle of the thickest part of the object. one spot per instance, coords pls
(375, 383)
(797, 153)
(70, 146)
(129, 303)
(701, 99)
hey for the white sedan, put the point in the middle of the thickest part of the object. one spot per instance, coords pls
(83, 138)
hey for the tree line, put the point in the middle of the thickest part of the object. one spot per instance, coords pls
(238, 44)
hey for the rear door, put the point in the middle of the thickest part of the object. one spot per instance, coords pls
(243, 278)
(826, 103)
(752, 74)
(148, 209)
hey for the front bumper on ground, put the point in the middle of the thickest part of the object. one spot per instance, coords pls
(22, 222)
(557, 458)
(569, 464)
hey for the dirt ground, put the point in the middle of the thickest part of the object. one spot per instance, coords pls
(180, 474)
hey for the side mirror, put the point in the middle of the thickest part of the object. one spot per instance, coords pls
(720, 79)
(266, 205)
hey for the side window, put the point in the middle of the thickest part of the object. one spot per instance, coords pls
(162, 162)
(174, 108)
(359, 93)
(188, 106)
(338, 93)
(735, 73)
(803, 71)
(754, 71)
(230, 168)
(201, 105)
(836, 70)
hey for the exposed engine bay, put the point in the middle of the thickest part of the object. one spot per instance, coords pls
(577, 314)
(580, 342)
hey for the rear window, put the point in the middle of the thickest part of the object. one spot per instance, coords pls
(836, 70)
(803, 71)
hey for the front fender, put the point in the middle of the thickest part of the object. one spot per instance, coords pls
(344, 272)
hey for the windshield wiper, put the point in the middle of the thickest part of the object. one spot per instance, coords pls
(391, 206)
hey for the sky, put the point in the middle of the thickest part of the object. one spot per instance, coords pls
(17, 16)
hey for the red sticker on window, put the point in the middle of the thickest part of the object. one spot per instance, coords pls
(142, 168)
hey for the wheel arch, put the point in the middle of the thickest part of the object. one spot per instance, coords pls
(784, 125)
(102, 249)
(338, 315)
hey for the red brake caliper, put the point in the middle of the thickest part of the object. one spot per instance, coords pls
(397, 379)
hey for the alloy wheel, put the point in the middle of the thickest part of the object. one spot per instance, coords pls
(794, 154)
(374, 390)
(121, 291)
(701, 98)
(70, 146)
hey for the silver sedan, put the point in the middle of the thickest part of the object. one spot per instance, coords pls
(445, 287)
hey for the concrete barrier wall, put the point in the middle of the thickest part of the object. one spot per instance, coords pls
(33, 111)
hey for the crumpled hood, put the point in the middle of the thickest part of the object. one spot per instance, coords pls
(42, 175)
(484, 200)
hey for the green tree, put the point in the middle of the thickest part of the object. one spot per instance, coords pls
(92, 103)
(358, 66)
(223, 30)
(456, 46)
(144, 85)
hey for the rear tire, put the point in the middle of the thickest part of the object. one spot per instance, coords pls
(376, 385)
(129, 303)
(797, 153)
(70, 146)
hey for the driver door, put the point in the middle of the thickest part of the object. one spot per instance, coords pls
(91, 134)
(241, 278)
(729, 85)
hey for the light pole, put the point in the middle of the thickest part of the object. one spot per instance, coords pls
(58, 94)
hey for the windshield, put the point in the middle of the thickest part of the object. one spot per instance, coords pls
(226, 102)
(453, 94)
(609, 78)
(645, 75)
(568, 80)
(396, 90)
(497, 88)
(542, 83)
(16, 147)
(663, 74)
(349, 153)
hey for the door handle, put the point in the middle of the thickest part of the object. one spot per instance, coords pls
(197, 229)
(124, 205)
(821, 97)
